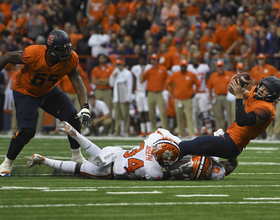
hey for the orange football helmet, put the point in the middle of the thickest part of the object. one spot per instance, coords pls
(202, 166)
(166, 151)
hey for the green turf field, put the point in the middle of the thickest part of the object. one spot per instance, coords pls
(251, 192)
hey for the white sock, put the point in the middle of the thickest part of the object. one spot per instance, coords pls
(142, 127)
(149, 126)
(6, 165)
(65, 166)
(87, 145)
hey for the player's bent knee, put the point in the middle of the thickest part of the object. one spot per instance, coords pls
(75, 122)
(24, 135)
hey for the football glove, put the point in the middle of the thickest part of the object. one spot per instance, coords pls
(84, 114)
(186, 168)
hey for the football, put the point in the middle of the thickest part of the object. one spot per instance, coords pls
(244, 79)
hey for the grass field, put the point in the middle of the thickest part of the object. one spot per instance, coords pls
(251, 192)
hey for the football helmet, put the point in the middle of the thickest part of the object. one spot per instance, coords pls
(272, 83)
(59, 45)
(202, 166)
(166, 151)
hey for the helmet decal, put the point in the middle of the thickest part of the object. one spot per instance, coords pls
(50, 39)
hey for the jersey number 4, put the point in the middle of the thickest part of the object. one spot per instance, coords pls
(133, 164)
(40, 78)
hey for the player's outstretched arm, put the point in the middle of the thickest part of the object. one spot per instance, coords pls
(81, 91)
(12, 57)
(229, 165)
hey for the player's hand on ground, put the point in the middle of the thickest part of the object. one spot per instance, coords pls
(84, 114)
(187, 167)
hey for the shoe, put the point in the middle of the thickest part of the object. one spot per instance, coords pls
(125, 134)
(142, 134)
(67, 128)
(148, 133)
(5, 174)
(78, 159)
(36, 159)
(86, 132)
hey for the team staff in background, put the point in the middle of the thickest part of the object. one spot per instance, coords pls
(217, 85)
(180, 84)
(35, 86)
(156, 77)
(252, 118)
(100, 77)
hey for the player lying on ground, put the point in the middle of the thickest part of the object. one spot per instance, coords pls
(252, 118)
(143, 162)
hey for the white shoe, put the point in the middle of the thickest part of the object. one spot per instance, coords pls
(5, 170)
(67, 128)
(36, 159)
(78, 159)
(86, 132)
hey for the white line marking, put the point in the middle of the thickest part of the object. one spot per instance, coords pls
(153, 192)
(258, 163)
(254, 173)
(262, 148)
(69, 190)
(137, 204)
(202, 195)
(263, 198)
(141, 187)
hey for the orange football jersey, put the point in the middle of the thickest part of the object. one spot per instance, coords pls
(37, 78)
(264, 110)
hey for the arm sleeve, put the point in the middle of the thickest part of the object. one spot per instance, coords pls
(241, 117)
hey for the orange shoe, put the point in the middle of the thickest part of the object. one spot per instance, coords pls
(148, 133)
(142, 134)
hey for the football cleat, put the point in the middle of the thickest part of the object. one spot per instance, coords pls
(36, 159)
(67, 128)
(78, 159)
(5, 174)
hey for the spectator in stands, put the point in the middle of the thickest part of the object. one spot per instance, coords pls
(112, 25)
(98, 42)
(101, 123)
(122, 9)
(11, 44)
(143, 24)
(225, 37)
(217, 85)
(220, 55)
(156, 77)
(50, 11)
(274, 46)
(100, 78)
(207, 37)
(36, 24)
(122, 82)
(107, 9)
(6, 10)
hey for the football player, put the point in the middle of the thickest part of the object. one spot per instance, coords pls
(35, 86)
(146, 161)
(252, 118)
(201, 101)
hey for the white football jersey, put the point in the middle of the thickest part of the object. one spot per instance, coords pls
(139, 163)
(200, 73)
(136, 71)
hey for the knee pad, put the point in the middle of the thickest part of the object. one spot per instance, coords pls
(75, 122)
(24, 135)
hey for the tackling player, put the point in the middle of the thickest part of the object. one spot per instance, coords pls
(35, 86)
(252, 118)
(142, 162)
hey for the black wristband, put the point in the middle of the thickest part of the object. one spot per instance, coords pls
(86, 105)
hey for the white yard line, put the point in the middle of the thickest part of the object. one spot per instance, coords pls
(263, 198)
(203, 195)
(153, 192)
(138, 204)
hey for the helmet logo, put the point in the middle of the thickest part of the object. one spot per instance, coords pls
(50, 39)
(167, 154)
